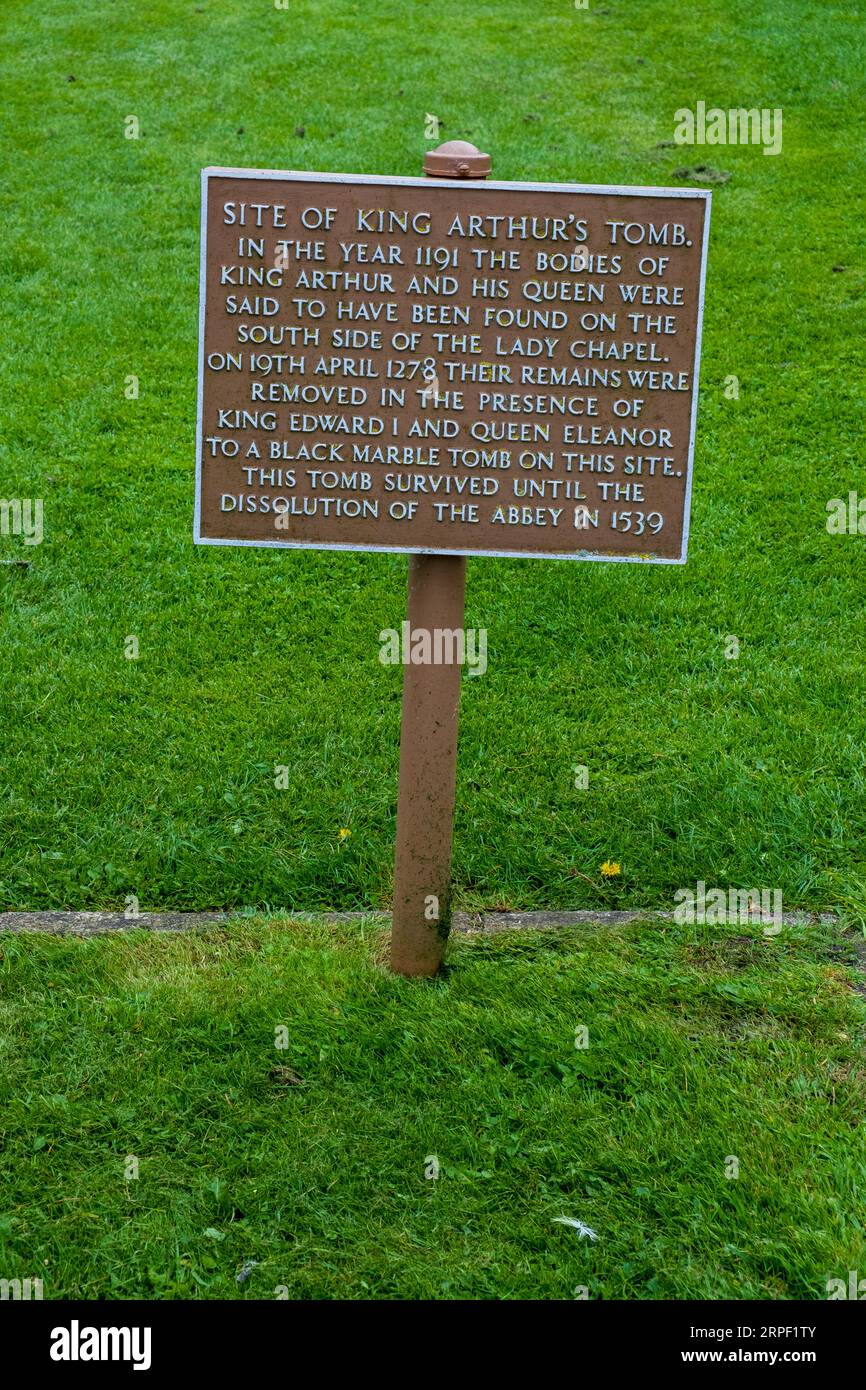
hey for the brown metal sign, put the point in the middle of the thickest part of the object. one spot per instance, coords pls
(448, 367)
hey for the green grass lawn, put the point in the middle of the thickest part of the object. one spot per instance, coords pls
(155, 776)
(310, 1159)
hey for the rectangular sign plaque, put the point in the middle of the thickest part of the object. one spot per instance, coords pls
(448, 367)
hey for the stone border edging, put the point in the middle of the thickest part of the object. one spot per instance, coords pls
(464, 923)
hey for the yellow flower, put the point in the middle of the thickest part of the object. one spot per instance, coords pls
(344, 834)
(610, 869)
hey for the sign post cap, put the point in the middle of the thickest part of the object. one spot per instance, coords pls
(456, 159)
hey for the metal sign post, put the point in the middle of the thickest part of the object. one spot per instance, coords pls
(557, 328)
(431, 708)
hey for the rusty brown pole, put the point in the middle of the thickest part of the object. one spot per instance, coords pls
(431, 705)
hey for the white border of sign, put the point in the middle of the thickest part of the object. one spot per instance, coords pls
(480, 186)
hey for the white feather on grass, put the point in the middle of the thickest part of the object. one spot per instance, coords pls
(579, 1226)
